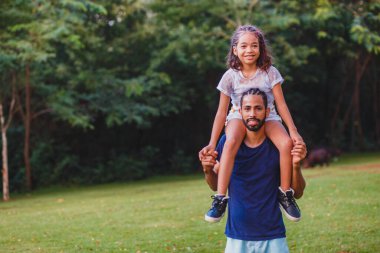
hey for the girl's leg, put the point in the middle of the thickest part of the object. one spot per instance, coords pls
(280, 138)
(235, 133)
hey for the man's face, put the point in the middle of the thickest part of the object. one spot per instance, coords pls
(253, 112)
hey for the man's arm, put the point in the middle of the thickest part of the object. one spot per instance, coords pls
(298, 181)
(210, 168)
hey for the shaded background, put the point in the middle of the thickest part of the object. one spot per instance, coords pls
(121, 90)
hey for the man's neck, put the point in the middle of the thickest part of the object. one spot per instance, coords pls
(254, 139)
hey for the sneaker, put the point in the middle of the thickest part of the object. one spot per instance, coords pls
(288, 204)
(218, 207)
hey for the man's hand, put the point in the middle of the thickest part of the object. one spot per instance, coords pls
(209, 162)
(298, 182)
(299, 152)
(210, 168)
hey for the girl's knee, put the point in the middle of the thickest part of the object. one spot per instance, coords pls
(285, 145)
(232, 144)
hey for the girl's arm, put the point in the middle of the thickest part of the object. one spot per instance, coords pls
(218, 125)
(220, 119)
(284, 112)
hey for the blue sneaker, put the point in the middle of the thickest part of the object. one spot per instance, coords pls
(288, 204)
(218, 208)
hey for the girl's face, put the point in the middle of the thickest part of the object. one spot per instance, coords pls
(247, 49)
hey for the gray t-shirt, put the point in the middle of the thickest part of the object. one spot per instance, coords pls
(234, 84)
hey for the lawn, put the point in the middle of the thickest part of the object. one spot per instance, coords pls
(340, 207)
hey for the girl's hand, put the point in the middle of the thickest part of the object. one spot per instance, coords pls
(295, 136)
(208, 150)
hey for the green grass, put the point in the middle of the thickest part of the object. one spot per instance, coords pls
(358, 158)
(341, 213)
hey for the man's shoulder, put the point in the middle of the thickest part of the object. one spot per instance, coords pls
(270, 145)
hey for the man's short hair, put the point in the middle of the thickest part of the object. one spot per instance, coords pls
(255, 91)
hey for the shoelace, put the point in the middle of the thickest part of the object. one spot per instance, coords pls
(287, 201)
(217, 202)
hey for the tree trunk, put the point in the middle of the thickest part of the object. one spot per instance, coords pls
(356, 112)
(4, 156)
(27, 124)
(4, 127)
(335, 130)
(360, 69)
(376, 106)
(356, 106)
(345, 119)
(339, 103)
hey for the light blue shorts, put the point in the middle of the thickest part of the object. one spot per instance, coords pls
(270, 246)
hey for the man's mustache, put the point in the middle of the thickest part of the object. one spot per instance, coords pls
(253, 118)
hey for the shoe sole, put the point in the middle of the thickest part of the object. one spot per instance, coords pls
(294, 219)
(212, 219)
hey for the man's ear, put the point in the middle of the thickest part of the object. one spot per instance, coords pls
(267, 112)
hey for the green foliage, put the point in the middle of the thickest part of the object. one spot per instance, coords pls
(135, 167)
(364, 36)
(180, 162)
(53, 163)
(64, 103)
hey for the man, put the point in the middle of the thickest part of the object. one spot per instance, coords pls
(254, 222)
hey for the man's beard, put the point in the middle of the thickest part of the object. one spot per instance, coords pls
(255, 128)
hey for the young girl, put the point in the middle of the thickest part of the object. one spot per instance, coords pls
(251, 67)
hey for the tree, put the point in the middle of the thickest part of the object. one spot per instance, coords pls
(5, 123)
(353, 31)
(30, 35)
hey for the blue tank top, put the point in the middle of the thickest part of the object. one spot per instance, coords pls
(253, 209)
